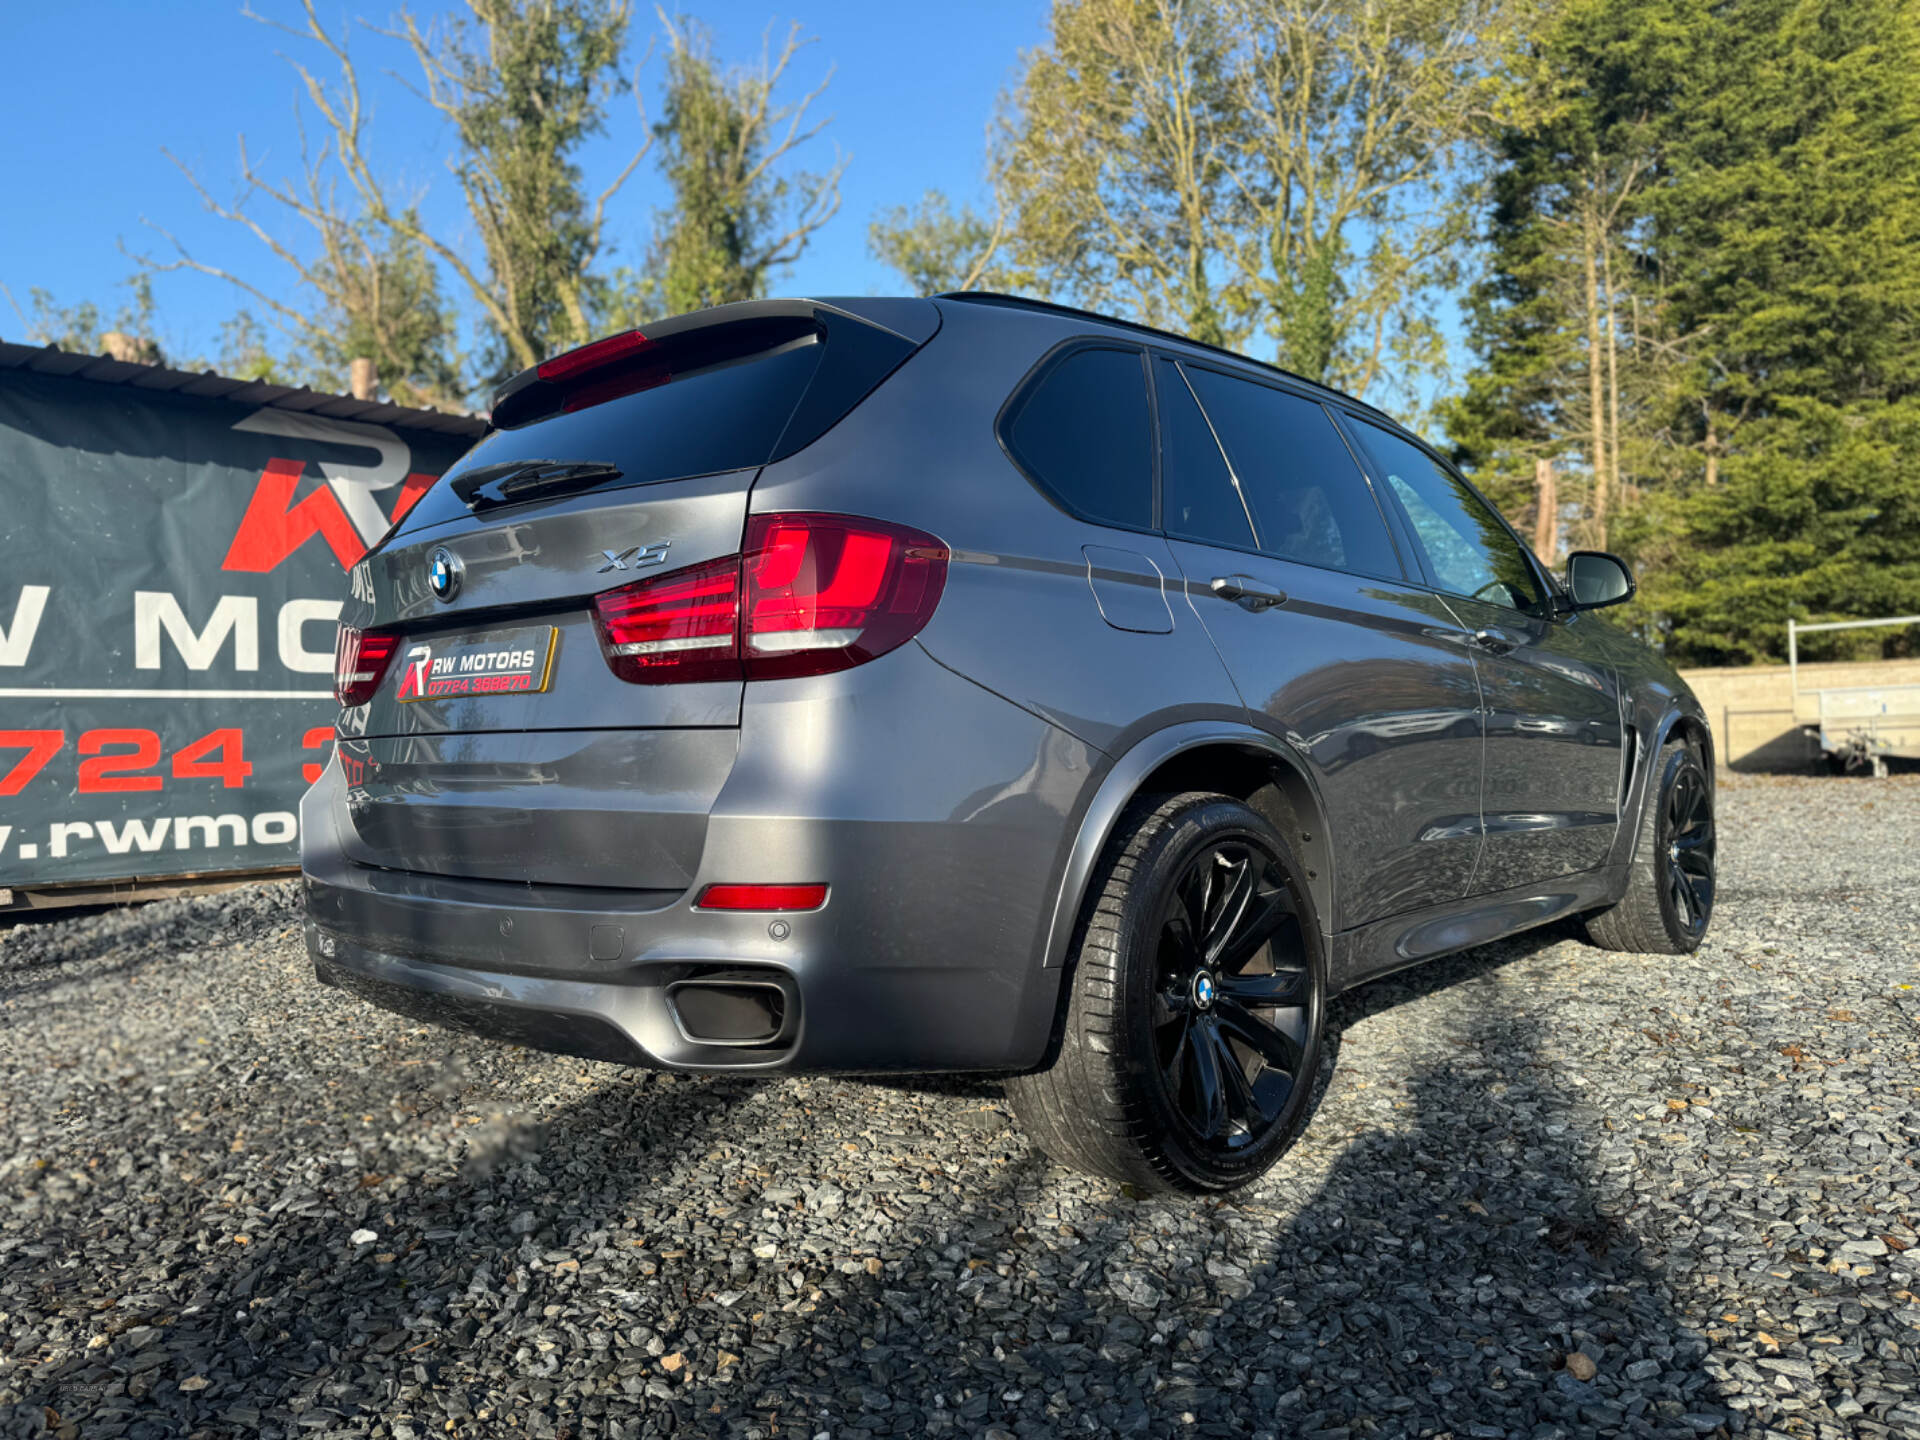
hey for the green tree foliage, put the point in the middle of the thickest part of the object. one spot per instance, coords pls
(1794, 219)
(1347, 124)
(381, 298)
(1571, 319)
(936, 249)
(1116, 163)
(1233, 169)
(1703, 303)
(737, 214)
(524, 86)
(246, 351)
(81, 329)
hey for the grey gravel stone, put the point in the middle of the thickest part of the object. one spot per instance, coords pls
(1699, 1173)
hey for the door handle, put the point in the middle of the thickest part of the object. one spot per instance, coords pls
(1497, 641)
(1247, 592)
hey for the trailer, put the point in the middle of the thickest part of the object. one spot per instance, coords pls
(1856, 726)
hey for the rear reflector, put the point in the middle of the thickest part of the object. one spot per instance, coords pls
(812, 594)
(762, 897)
(360, 659)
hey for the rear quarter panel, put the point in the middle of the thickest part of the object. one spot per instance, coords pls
(1019, 615)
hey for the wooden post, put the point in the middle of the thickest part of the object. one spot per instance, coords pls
(1546, 514)
(130, 349)
(361, 379)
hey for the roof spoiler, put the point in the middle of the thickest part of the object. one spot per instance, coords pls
(544, 388)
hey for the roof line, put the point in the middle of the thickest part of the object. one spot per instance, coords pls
(1025, 302)
(51, 360)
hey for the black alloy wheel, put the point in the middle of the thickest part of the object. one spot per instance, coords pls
(1230, 996)
(1191, 1036)
(1688, 830)
(1666, 904)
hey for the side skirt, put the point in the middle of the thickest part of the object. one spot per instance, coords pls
(1370, 951)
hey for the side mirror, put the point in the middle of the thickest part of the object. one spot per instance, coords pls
(1596, 579)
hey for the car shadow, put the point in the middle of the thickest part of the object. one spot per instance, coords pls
(1436, 1274)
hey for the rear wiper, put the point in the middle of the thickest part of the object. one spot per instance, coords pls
(512, 481)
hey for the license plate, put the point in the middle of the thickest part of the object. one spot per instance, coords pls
(498, 662)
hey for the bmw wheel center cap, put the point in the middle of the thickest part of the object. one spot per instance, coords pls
(443, 573)
(1203, 990)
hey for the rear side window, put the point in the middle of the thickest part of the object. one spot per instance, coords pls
(1082, 432)
(1198, 499)
(1308, 499)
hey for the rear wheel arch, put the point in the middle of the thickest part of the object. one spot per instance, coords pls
(1224, 758)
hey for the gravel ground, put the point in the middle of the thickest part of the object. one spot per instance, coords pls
(1548, 1192)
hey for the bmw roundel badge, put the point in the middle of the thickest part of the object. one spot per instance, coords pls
(443, 573)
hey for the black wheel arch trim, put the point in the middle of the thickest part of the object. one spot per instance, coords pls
(1127, 777)
(1686, 722)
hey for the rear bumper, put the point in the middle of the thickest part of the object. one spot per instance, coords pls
(926, 956)
(517, 965)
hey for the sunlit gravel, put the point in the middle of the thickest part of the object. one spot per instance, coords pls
(1549, 1191)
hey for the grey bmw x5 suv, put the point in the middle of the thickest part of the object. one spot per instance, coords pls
(974, 684)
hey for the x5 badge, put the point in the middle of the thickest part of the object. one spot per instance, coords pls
(635, 557)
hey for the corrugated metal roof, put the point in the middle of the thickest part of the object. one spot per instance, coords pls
(51, 360)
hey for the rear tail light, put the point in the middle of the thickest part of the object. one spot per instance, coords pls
(812, 594)
(683, 626)
(360, 659)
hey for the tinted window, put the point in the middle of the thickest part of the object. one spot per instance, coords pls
(1309, 500)
(1198, 499)
(1083, 433)
(727, 416)
(1470, 552)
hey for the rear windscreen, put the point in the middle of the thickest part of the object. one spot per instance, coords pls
(726, 417)
(699, 402)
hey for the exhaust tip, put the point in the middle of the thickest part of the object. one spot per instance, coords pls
(729, 1011)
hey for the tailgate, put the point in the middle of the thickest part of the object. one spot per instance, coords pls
(525, 579)
(497, 742)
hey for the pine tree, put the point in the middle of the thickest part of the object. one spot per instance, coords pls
(1793, 218)
(1728, 362)
(1570, 319)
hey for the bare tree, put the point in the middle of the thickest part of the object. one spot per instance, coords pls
(524, 85)
(1116, 162)
(737, 216)
(376, 297)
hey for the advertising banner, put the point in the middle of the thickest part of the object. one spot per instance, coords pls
(171, 571)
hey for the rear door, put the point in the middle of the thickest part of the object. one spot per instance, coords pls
(1554, 724)
(500, 743)
(1289, 561)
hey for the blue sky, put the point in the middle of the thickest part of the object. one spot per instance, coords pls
(95, 90)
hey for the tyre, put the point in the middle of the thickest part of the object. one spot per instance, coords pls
(1670, 886)
(1193, 1014)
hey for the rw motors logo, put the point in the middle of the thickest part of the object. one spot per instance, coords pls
(346, 511)
(413, 677)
